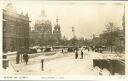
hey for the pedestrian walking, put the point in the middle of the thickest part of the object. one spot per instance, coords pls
(21, 53)
(82, 54)
(18, 56)
(100, 49)
(88, 49)
(76, 54)
(42, 64)
(26, 57)
(62, 51)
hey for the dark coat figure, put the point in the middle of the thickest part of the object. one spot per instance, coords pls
(93, 48)
(25, 57)
(62, 51)
(101, 50)
(18, 56)
(76, 54)
(82, 54)
(21, 53)
(88, 48)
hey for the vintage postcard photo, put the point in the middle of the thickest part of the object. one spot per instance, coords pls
(41, 38)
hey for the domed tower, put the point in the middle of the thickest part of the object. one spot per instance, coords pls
(57, 31)
(43, 27)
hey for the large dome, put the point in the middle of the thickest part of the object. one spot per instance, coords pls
(42, 18)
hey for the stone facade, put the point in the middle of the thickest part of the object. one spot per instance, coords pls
(46, 36)
(44, 30)
(15, 29)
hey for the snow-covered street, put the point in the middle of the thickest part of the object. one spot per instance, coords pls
(59, 64)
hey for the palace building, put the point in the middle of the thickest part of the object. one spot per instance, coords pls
(15, 29)
(46, 35)
(44, 30)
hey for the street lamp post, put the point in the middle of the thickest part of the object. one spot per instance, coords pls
(73, 30)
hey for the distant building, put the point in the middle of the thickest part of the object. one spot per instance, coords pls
(96, 40)
(35, 38)
(45, 34)
(57, 32)
(44, 29)
(15, 29)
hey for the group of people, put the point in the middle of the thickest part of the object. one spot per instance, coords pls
(76, 54)
(22, 53)
(97, 48)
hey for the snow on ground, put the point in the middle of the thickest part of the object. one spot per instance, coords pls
(13, 68)
(59, 64)
(10, 53)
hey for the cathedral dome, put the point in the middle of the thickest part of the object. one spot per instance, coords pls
(42, 18)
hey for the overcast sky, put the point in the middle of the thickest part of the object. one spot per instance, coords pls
(87, 18)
